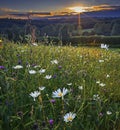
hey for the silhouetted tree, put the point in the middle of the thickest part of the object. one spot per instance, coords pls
(116, 29)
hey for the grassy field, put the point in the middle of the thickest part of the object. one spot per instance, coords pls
(41, 85)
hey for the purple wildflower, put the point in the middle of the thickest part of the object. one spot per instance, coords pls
(54, 76)
(52, 101)
(33, 65)
(51, 121)
(2, 67)
(60, 67)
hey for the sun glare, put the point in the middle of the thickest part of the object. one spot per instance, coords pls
(77, 9)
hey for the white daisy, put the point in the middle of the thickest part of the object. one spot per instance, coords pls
(69, 117)
(102, 84)
(41, 71)
(54, 61)
(60, 93)
(28, 66)
(96, 97)
(32, 72)
(34, 94)
(101, 61)
(69, 84)
(98, 82)
(104, 46)
(107, 75)
(34, 44)
(41, 88)
(80, 87)
(109, 112)
(48, 76)
(18, 67)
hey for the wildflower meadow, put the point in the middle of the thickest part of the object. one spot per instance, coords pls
(59, 88)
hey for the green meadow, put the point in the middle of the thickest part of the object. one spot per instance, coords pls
(59, 88)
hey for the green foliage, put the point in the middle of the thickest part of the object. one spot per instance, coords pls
(97, 107)
(116, 29)
(112, 41)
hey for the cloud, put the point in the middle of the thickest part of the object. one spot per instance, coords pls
(32, 15)
(8, 10)
(102, 7)
(94, 8)
(39, 13)
(16, 14)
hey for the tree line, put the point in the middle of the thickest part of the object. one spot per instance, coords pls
(22, 31)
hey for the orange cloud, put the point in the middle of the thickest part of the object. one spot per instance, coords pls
(31, 14)
(17, 14)
(102, 7)
(8, 10)
(91, 8)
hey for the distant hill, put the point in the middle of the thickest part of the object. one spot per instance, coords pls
(105, 23)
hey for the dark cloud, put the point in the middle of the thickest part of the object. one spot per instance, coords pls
(52, 5)
(24, 15)
(39, 13)
(12, 13)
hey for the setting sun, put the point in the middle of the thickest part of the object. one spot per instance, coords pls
(77, 9)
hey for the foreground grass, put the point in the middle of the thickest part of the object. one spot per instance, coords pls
(90, 75)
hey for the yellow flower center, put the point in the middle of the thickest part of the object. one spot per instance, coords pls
(70, 118)
(60, 94)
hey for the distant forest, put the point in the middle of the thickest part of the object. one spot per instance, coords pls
(18, 30)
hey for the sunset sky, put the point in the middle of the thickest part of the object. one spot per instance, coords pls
(51, 7)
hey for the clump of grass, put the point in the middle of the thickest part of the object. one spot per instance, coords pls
(90, 76)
